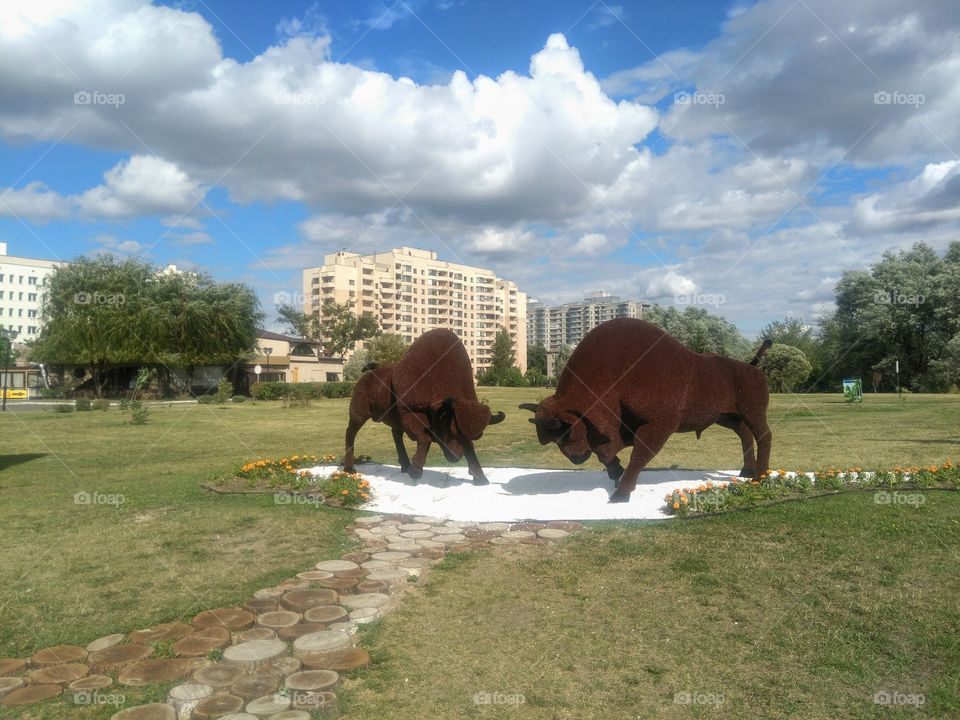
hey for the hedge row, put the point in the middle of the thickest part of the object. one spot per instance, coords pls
(301, 391)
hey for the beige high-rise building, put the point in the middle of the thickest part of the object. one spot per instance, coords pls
(410, 291)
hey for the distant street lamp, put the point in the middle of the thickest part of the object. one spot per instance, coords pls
(267, 351)
(8, 337)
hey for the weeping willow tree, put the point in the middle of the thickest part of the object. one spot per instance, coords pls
(103, 312)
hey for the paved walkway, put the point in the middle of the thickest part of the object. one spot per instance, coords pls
(280, 655)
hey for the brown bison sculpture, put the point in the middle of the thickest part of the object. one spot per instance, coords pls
(630, 383)
(429, 395)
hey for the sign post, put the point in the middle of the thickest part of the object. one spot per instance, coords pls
(852, 390)
(898, 379)
(257, 370)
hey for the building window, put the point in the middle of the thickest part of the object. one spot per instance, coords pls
(32, 297)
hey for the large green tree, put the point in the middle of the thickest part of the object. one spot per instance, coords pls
(386, 348)
(298, 323)
(700, 331)
(786, 367)
(796, 333)
(536, 364)
(503, 370)
(905, 308)
(102, 312)
(341, 328)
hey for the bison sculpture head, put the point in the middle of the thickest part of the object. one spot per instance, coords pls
(455, 421)
(567, 428)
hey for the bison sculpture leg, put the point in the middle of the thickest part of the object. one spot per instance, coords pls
(416, 426)
(402, 458)
(473, 464)
(648, 441)
(746, 441)
(353, 427)
(761, 431)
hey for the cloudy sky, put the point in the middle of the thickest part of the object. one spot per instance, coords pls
(740, 155)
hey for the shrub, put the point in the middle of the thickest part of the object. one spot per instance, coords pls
(337, 389)
(61, 408)
(224, 391)
(100, 404)
(271, 390)
(206, 399)
(238, 398)
(297, 396)
(83, 404)
(138, 413)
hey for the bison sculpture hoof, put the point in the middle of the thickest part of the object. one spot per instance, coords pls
(415, 473)
(481, 480)
(620, 497)
(748, 472)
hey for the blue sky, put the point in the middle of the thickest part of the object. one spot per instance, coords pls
(739, 156)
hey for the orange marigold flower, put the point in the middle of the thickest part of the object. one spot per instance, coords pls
(345, 492)
(676, 506)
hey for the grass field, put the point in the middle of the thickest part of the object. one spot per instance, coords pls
(836, 594)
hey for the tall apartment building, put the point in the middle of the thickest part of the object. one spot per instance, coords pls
(21, 293)
(554, 327)
(411, 291)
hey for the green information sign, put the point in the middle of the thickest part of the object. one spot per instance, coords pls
(852, 390)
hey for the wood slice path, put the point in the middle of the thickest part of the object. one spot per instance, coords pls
(280, 655)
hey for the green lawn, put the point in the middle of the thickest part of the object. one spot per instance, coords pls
(72, 572)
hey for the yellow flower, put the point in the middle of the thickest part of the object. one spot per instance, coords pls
(676, 506)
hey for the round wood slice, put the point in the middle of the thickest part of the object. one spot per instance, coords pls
(202, 642)
(459, 524)
(325, 614)
(549, 533)
(390, 556)
(270, 592)
(164, 632)
(341, 585)
(186, 697)
(367, 520)
(254, 686)
(356, 573)
(117, 656)
(319, 704)
(288, 715)
(417, 534)
(365, 600)
(31, 694)
(295, 584)
(153, 711)
(451, 539)
(9, 684)
(362, 616)
(371, 586)
(565, 525)
(413, 527)
(12, 666)
(431, 553)
(105, 642)
(257, 633)
(268, 705)
(313, 681)
(341, 660)
(409, 546)
(58, 654)
(376, 564)
(517, 534)
(91, 682)
(429, 544)
(250, 655)
(147, 672)
(528, 526)
(59, 674)
(219, 676)
(498, 527)
(299, 630)
(262, 605)
(336, 565)
(388, 575)
(302, 600)
(355, 557)
(279, 618)
(280, 667)
(322, 641)
(314, 575)
(218, 705)
(414, 563)
(234, 619)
